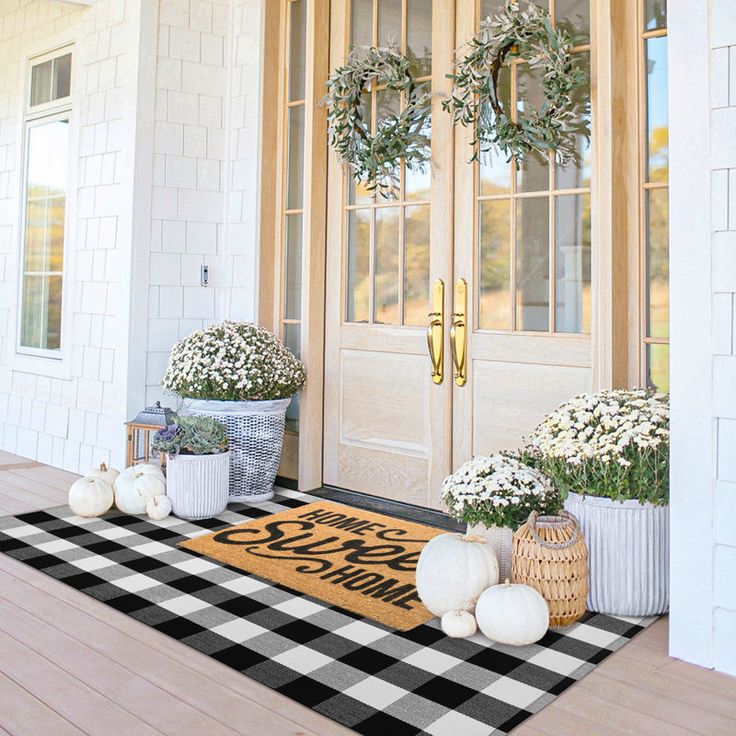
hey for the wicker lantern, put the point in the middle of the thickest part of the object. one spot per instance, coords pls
(148, 421)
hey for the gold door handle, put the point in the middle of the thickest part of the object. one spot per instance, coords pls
(436, 330)
(459, 333)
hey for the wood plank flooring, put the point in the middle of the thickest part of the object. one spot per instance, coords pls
(71, 665)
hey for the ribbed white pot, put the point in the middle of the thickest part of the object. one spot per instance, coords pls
(500, 538)
(255, 433)
(198, 484)
(628, 554)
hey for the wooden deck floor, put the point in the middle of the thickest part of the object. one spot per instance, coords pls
(71, 665)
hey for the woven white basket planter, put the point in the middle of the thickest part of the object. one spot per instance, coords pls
(628, 554)
(198, 484)
(255, 432)
(500, 538)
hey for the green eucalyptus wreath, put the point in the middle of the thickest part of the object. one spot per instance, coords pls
(528, 35)
(376, 158)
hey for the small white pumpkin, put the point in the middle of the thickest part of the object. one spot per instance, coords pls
(158, 507)
(453, 570)
(512, 614)
(458, 624)
(90, 497)
(134, 487)
(104, 473)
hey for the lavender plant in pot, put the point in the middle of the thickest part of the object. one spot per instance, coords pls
(243, 376)
(197, 466)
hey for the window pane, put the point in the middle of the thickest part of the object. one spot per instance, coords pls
(52, 326)
(495, 171)
(419, 36)
(657, 263)
(62, 77)
(416, 265)
(533, 173)
(34, 307)
(386, 276)
(358, 265)
(389, 23)
(658, 367)
(572, 263)
(361, 23)
(41, 75)
(532, 264)
(495, 268)
(657, 128)
(48, 159)
(573, 176)
(295, 175)
(297, 48)
(574, 17)
(293, 265)
(55, 233)
(35, 245)
(655, 14)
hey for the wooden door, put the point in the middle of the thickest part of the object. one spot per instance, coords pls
(523, 244)
(387, 424)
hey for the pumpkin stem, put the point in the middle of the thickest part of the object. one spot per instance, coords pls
(507, 582)
(103, 467)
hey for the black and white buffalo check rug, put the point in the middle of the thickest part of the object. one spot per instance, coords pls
(362, 674)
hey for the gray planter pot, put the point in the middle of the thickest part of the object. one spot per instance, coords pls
(628, 553)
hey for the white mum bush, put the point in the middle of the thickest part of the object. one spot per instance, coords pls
(613, 444)
(498, 490)
(233, 361)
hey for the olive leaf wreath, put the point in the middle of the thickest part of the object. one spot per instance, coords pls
(528, 35)
(376, 158)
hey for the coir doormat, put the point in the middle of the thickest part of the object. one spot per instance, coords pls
(355, 559)
(367, 676)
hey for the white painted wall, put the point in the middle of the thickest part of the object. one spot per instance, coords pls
(703, 349)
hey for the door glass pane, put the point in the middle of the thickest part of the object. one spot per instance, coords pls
(417, 183)
(297, 48)
(294, 183)
(419, 36)
(293, 266)
(657, 263)
(292, 340)
(357, 191)
(389, 23)
(572, 263)
(416, 265)
(574, 17)
(658, 367)
(361, 24)
(533, 173)
(495, 171)
(532, 264)
(574, 176)
(495, 267)
(657, 128)
(358, 264)
(386, 271)
(655, 14)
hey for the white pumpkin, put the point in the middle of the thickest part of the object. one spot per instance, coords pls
(104, 473)
(453, 570)
(512, 614)
(158, 507)
(134, 487)
(90, 497)
(458, 624)
(147, 468)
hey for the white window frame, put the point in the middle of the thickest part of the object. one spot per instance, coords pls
(33, 116)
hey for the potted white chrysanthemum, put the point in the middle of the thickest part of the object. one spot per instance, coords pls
(494, 496)
(243, 376)
(608, 454)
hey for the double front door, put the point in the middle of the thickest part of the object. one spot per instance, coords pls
(458, 311)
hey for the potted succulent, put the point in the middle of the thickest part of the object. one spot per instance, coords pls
(243, 376)
(608, 455)
(494, 495)
(197, 466)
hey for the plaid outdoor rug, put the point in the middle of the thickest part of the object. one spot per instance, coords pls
(362, 674)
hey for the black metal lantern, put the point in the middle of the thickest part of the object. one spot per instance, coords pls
(140, 429)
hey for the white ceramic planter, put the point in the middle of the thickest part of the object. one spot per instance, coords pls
(255, 433)
(628, 554)
(198, 484)
(500, 538)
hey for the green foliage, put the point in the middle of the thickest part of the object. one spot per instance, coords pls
(476, 99)
(375, 158)
(192, 435)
